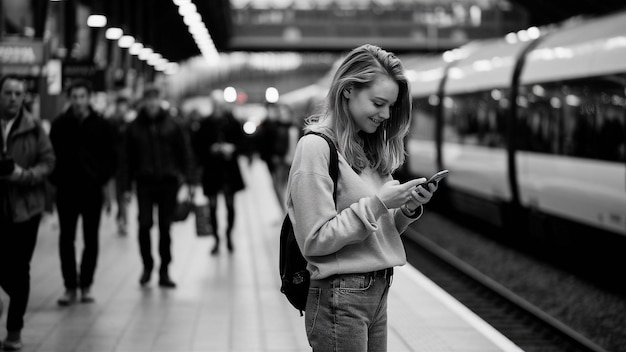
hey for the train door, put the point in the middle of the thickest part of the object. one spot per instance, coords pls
(475, 118)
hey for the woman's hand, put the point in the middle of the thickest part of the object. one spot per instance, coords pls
(421, 195)
(394, 195)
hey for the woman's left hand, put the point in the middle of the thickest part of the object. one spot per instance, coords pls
(421, 195)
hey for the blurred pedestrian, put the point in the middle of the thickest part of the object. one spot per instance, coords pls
(352, 241)
(27, 158)
(277, 137)
(119, 120)
(217, 145)
(86, 160)
(158, 161)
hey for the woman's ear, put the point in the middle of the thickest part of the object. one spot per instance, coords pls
(346, 93)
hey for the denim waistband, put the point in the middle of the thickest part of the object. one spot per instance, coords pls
(328, 282)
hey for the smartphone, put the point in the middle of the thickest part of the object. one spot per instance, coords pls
(434, 179)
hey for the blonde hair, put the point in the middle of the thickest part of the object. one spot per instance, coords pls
(382, 150)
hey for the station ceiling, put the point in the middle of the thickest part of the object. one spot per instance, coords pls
(159, 25)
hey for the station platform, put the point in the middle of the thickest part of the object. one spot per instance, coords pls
(227, 302)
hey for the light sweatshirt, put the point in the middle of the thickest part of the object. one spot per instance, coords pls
(359, 235)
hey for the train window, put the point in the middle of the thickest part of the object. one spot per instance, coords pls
(539, 128)
(476, 118)
(580, 118)
(423, 120)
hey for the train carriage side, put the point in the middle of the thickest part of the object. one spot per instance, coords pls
(572, 148)
(475, 135)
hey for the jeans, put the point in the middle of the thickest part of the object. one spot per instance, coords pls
(348, 313)
(72, 204)
(161, 194)
(17, 244)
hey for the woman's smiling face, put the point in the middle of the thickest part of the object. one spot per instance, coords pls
(370, 106)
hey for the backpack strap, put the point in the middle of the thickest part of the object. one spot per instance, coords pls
(333, 167)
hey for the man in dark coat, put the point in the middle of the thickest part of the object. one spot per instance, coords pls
(217, 144)
(27, 159)
(86, 160)
(158, 160)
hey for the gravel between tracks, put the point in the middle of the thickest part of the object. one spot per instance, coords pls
(593, 312)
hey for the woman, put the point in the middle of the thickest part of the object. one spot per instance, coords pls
(352, 246)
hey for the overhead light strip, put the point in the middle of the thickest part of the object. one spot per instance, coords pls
(198, 30)
(126, 41)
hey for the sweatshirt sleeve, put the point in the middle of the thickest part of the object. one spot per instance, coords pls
(402, 221)
(319, 228)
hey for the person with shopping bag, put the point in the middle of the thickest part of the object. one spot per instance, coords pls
(218, 144)
(157, 161)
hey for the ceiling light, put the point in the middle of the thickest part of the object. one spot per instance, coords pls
(533, 32)
(135, 49)
(193, 18)
(145, 53)
(96, 21)
(114, 33)
(154, 59)
(186, 9)
(126, 41)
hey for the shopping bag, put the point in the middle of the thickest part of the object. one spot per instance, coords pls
(203, 220)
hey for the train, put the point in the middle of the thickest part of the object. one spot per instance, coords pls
(532, 128)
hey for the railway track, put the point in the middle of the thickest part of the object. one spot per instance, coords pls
(532, 329)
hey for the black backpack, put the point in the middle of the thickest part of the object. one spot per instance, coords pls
(293, 273)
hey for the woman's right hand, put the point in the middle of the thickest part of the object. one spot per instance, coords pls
(394, 195)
